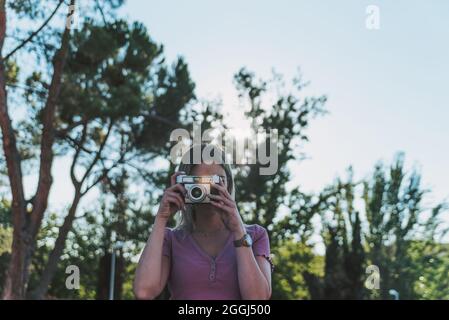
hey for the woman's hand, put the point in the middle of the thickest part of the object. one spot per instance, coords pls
(228, 210)
(173, 198)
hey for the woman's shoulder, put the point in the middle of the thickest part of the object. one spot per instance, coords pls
(255, 227)
(255, 230)
(178, 233)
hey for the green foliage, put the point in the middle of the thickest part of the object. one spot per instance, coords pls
(397, 237)
(429, 266)
(106, 71)
(29, 8)
(292, 260)
(12, 72)
(5, 237)
(5, 240)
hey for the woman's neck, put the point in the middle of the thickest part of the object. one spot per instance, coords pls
(208, 221)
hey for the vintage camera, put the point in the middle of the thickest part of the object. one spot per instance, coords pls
(198, 187)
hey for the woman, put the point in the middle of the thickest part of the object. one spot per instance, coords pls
(211, 254)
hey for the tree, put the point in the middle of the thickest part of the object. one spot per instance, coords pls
(261, 196)
(90, 102)
(345, 255)
(397, 219)
(25, 225)
(388, 230)
(103, 101)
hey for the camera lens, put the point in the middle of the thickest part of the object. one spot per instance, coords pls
(197, 192)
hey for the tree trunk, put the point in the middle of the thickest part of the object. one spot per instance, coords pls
(27, 226)
(55, 255)
(46, 157)
(14, 286)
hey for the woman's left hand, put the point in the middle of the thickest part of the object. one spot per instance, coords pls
(228, 209)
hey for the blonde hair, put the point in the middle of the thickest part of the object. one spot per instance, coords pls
(186, 219)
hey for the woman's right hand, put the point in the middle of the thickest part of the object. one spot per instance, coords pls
(172, 199)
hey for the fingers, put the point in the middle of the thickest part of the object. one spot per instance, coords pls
(173, 177)
(218, 198)
(219, 205)
(178, 188)
(175, 198)
(225, 209)
(222, 190)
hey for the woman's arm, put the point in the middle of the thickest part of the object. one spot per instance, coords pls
(153, 268)
(254, 273)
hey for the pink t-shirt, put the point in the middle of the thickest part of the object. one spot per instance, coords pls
(194, 275)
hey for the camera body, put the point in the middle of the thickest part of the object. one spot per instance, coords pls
(198, 187)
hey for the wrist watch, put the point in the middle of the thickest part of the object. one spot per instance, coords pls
(245, 241)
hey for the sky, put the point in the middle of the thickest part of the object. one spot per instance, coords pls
(388, 88)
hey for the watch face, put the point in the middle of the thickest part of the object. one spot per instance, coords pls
(248, 241)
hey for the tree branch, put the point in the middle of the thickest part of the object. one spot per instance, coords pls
(35, 33)
(106, 172)
(142, 172)
(99, 152)
(101, 12)
(102, 176)
(24, 87)
(76, 144)
(63, 133)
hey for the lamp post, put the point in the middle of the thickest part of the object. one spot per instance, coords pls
(115, 246)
